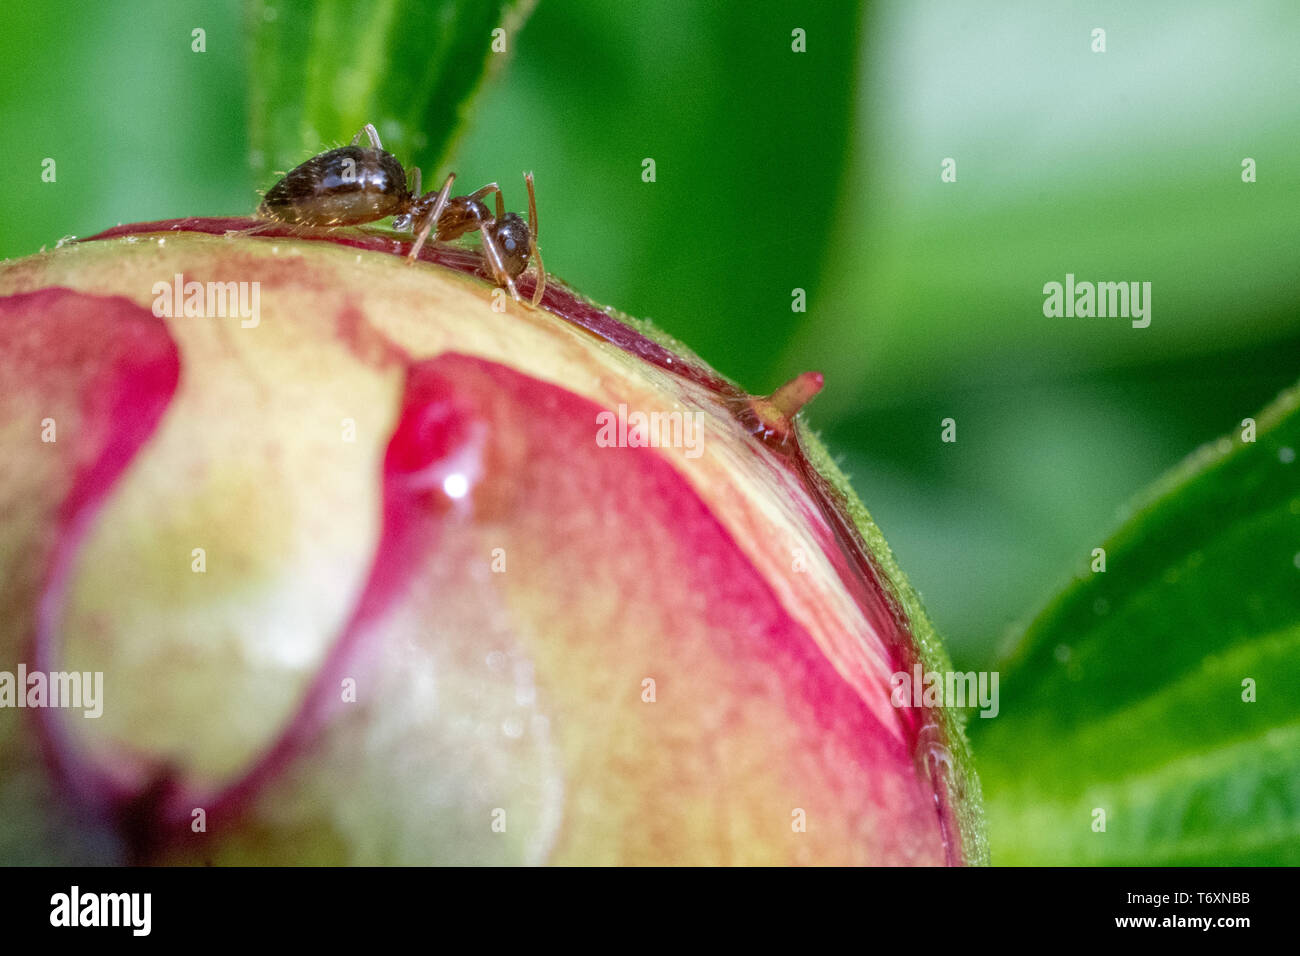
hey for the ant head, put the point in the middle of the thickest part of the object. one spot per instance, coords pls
(515, 241)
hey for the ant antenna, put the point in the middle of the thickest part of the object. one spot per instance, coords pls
(535, 252)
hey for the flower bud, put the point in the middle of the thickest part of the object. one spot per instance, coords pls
(366, 563)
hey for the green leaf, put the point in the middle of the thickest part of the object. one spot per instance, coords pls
(321, 70)
(1127, 692)
(949, 275)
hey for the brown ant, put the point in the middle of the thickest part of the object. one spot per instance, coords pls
(354, 184)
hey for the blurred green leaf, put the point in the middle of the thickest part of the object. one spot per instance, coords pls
(323, 68)
(1126, 694)
(1067, 161)
(140, 124)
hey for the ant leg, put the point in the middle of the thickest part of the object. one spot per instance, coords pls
(265, 220)
(535, 252)
(251, 230)
(432, 219)
(498, 266)
(368, 131)
(541, 273)
(415, 183)
(484, 191)
(532, 205)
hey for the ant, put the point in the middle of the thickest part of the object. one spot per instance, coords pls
(353, 185)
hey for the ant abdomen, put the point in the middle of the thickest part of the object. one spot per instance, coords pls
(343, 187)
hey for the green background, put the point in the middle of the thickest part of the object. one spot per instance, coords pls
(819, 170)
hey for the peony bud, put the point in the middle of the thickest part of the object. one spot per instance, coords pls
(376, 566)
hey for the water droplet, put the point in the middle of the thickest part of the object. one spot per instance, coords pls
(934, 754)
(1297, 559)
(1286, 455)
(456, 485)
(1062, 653)
(512, 728)
(937, 764)
(437, 446)
(941, 756)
